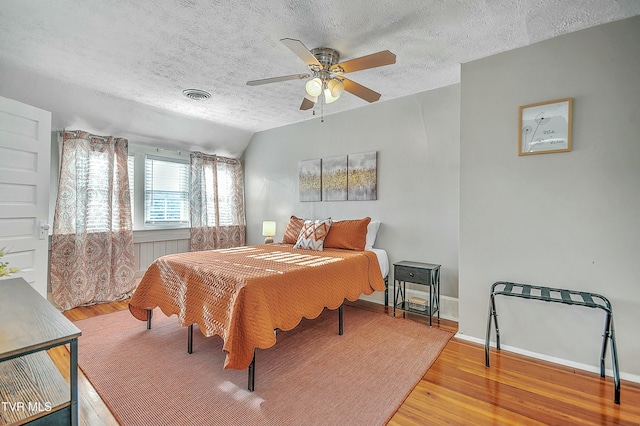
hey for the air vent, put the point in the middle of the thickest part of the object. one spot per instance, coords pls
(196, 94)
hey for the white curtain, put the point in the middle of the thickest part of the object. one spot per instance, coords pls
(92, 257)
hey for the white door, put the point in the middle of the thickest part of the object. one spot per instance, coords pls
(25, 153)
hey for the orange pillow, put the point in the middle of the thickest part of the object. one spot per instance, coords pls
(348, 234)
(293, 230)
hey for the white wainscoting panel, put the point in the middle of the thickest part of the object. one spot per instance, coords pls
(147, 252)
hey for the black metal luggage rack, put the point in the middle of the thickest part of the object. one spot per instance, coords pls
(568, 297)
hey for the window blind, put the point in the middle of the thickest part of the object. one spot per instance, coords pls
(166, 191)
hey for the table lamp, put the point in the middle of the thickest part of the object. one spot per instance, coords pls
(268, 230)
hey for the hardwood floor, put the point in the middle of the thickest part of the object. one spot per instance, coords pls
(458, 389)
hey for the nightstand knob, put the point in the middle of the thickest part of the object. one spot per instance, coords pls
(411, 274)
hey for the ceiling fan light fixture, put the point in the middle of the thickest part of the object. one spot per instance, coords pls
(325, 82)
(314, 87)
(328, 97)
(336, 87)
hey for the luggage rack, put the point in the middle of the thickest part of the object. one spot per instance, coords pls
(568, 297)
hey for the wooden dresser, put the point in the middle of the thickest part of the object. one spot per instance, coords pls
(32, 390)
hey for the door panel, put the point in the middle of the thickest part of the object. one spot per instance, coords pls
(25, 154)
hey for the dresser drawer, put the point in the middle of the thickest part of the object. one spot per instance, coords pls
(412, 275)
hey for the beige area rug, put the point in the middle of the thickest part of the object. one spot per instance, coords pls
(312, 376)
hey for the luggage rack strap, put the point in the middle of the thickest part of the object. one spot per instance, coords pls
(548, 294)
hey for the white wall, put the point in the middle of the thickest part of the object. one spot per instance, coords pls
(568, 220)
(417, 140)
(78, 108)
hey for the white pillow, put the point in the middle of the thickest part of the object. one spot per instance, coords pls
(372, 232)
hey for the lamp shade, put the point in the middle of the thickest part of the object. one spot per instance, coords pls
(336, 87)
(328, 98)
(268, 228)
(314, 87)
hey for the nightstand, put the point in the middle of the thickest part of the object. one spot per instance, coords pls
(417, 273)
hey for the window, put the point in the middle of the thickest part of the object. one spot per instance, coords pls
(131, 160)
(166, 192)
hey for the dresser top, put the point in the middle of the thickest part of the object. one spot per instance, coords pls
(28, 322)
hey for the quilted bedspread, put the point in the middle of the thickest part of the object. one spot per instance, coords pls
(243, 294)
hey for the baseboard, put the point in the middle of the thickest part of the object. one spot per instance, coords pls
(448, 305)
(568, 363)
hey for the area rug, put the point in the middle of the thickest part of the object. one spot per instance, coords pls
(312, 376)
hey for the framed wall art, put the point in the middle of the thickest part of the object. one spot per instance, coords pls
(545, 127)
(363, 176)
(309, 180)
(334, 178)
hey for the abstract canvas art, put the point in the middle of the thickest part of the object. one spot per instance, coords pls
(334, 178)
(362, 176)
(309, 180)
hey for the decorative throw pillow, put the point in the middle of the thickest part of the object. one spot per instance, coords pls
(348, 234)
(293, 230)
(372, 232)
(312, 234)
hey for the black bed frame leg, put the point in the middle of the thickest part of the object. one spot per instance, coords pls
(252, 373)
(340, 321)
(149, 315)
(386, 291)
(190, 340)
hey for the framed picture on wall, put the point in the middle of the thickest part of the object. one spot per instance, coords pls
(545, 127)
(309, 180)
(362, 176)
(334, 178)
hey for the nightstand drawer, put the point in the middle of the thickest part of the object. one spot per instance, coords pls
(413, 275)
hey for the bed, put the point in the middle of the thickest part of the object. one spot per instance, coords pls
(243, 294)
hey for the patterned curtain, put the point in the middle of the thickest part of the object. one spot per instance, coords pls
(92, 257)
(217, 202)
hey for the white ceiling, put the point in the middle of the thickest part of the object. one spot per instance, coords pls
(148, 51)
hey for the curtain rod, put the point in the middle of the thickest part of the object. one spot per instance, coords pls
(180, 152)
(158, 149)
(217, 157)
(202, 154)
(75, 133)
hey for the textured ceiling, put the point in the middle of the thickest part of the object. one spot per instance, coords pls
(148, 51)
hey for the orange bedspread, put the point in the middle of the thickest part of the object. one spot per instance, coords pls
(243, 294)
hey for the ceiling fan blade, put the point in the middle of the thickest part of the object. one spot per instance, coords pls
(277, 79)
(306, 104)
(301, 51)
(370, 61)
(360, 91)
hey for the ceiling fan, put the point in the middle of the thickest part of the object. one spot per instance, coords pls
(326, 78)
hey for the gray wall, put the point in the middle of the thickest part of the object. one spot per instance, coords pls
(568, 220)
(417, 141)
